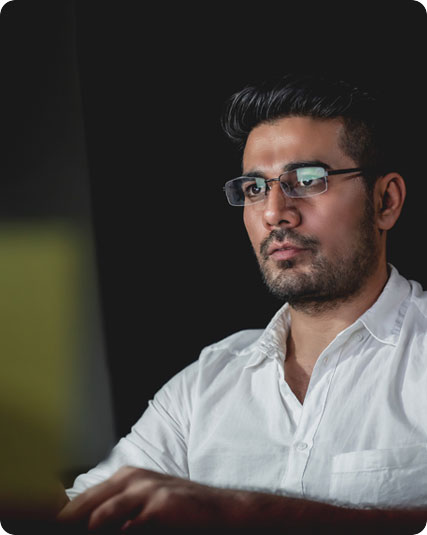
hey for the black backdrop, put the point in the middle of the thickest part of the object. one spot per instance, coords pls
(175, 267)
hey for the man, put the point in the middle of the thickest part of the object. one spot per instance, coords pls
(320, 419)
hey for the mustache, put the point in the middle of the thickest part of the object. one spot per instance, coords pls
(283, 234)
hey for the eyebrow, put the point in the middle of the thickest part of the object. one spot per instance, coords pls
(289, 167)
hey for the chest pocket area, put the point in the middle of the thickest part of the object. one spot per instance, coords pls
(387, 477)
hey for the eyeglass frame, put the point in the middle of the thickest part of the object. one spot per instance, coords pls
(267, 180)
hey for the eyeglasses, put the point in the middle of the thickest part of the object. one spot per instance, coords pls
(298, 183)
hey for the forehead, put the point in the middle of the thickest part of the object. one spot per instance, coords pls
(294, 139)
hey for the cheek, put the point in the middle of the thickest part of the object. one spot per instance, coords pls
(336, 225)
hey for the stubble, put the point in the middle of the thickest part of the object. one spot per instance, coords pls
(327, 282)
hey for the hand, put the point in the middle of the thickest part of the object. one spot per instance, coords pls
(134, 499)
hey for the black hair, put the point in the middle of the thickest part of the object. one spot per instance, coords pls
(365, 138)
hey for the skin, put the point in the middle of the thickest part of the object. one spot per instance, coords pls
(333, 219)
(134, 499)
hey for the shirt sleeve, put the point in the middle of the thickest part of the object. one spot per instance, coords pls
(157, 441)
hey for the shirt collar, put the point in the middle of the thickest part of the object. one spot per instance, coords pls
(272, 342)
(383, 321)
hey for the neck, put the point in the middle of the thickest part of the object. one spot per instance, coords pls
(314, 328)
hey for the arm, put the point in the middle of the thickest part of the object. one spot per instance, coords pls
(135, 498)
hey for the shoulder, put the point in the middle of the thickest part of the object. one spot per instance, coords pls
(235, 343)
(218, 367)
(412, 322)
(232, 352)
(418, 298)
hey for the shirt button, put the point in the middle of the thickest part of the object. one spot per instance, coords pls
(359, 337)
(301, 446)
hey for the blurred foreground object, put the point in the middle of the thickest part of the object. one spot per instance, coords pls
(55, 407)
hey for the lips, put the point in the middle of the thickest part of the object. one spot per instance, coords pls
(284, 246)
(287, 242)
(283, 251)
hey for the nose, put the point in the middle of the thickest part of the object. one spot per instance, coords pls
(280, 210)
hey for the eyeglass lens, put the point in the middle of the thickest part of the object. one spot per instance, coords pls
(302, 182)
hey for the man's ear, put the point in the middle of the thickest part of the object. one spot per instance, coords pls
(389, 194)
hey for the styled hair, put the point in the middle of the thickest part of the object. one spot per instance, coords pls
(365, 136)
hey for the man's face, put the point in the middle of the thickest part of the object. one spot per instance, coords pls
(313, 252)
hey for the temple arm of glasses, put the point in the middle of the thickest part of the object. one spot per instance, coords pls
(342, 171)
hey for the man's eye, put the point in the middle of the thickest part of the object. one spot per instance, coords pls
(309, 176)
(253, 189)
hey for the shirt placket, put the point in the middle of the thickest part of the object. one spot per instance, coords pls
(310, 415)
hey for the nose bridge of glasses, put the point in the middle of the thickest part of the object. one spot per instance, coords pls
(282, 184)
(281, 196)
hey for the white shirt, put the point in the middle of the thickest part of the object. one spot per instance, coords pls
(360, 437)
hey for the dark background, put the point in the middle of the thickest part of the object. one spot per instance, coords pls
(141, 132)
(176, 267)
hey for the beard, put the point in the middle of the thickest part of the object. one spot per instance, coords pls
(328, 282)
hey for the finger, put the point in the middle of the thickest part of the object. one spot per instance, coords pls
(117, 511)
(82, 506)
